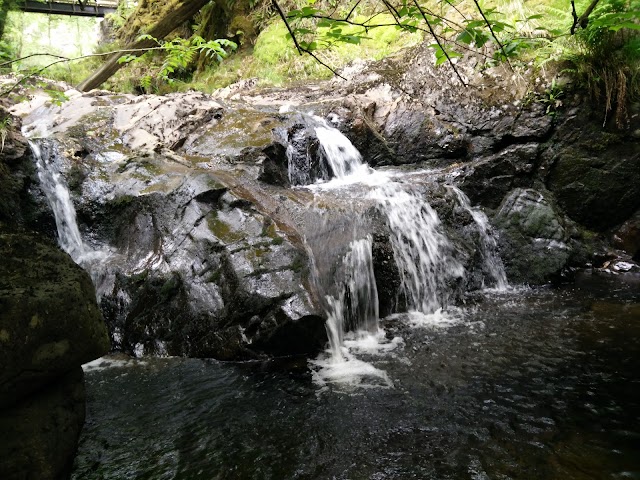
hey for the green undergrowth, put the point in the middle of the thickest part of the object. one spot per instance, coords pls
(602, 56)
(274, 60)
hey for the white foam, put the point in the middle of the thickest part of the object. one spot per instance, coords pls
(438, 319)
(104, 363)
(371, 343)
(361, 174)
(347, 371)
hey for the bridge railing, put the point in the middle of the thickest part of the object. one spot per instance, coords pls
(93, 8)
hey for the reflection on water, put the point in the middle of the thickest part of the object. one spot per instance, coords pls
(538, 384)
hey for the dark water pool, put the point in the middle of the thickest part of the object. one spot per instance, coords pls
(540, 384)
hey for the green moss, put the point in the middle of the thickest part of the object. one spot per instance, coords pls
(51, 351)
(121, 202)
(170, 288)
(223, 230)
(269, 229)
(35, 321)
(299, 264)
(215, 276)
(257, 253)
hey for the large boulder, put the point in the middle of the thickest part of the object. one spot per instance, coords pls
(594, 172)
(49, 325)
(627, 236)
(537, 241)
(49, 319)
(40, 433)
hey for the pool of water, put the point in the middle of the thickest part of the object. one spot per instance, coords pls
(530, 384)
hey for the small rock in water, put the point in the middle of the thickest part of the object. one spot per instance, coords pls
(623, 266)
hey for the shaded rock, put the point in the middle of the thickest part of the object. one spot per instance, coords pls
(275, 166)
(40, 433)
(594, 173)
(22, 202)
(388, 280)
(49, 320)
(627, 237)
(536, 240)
(488, 180)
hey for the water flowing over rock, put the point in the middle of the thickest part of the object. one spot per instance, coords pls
(232, 220)
(355, 309)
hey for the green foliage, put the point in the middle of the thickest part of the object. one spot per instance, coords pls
(552, 98)
(606, 56)
(5, 125)
(57, 97)
(178, 55)
(7, 51)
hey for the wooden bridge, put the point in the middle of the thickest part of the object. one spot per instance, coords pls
(81, 8)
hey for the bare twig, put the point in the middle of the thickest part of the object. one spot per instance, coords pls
(62, 59)
(433, 34)
(10, 62)
(284, 19)
(300, 48)
(493, 34)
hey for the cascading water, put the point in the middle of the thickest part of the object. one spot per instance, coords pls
(488, 247)
(355, 308)
(342, 158)
(69, 237)
(59, 198)
(333, 156)
(424, 256)
(421, 251)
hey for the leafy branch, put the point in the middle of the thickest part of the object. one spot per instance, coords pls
(60, 59)
(180, 53)
(311, 28)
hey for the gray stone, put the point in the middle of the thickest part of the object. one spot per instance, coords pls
(533, 236)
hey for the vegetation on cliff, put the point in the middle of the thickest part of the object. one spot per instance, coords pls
(594, 41)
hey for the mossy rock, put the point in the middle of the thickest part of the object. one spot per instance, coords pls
(534, 240)
(40, 434)
(49, 319)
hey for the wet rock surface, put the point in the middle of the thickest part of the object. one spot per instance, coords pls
(537, 240)
(191, 194)
(49, 325)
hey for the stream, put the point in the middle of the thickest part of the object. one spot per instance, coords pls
(529, 384)
(500, 383)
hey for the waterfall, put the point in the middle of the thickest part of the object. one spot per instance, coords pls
(355, 308)
(341, 156)
(425, 258)
(59, 198)
(94, 261)
(422, 252)
(488, 246)
(334, 157)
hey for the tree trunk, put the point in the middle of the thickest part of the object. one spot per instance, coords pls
(5, 6)
(172, 19)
